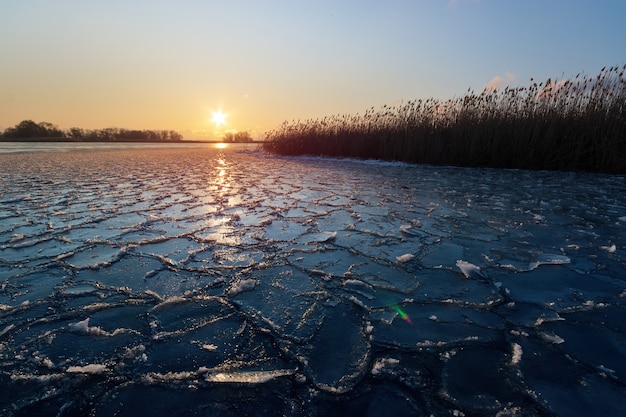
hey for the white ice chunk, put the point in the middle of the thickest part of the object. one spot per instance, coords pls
(80, 327)
(155, 295)
(175, 299)
(6, 329)
(609, 249)
(404, 258)
(241, 286)
(540, 320)
(553, 259)
(607, 371)
(325, 237)
(408, 229)
(138, 353)
(356, 283)
(549, 259)
(543, 259)
(356, 301)
(83, 327)
(538, 218)
(359, 287)
(516, 354)
(384, 365)
(248, 377)
(152, 218)
(94, 368)
(469, 270)
(551, 338)
(210, 347)
(319, 237)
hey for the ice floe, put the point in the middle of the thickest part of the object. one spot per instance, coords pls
(232, 283)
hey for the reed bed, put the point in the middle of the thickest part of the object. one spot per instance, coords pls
(575, 124)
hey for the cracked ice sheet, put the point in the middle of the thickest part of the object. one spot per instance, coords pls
(317, 281)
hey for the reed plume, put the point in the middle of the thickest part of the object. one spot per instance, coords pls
(574, 124)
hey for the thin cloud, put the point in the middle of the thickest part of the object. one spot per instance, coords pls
(497, 82)
(552, 88)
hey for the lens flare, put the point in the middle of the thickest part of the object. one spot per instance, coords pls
(402, 314)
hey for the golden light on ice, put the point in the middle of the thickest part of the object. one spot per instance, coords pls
(218, 118)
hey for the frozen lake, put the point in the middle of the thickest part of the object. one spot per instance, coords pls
(225, 282)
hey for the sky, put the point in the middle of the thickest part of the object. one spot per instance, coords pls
(156, 64)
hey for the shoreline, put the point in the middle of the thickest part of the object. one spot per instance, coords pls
(66, 140)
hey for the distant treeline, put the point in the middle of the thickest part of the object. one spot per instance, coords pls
(575, 124)
(29, 130)
(244, 136)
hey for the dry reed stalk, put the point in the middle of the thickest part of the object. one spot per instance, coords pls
(577, 124)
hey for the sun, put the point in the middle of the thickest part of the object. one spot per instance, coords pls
(218, 118)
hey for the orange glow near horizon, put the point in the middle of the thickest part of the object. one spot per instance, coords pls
(191, 69)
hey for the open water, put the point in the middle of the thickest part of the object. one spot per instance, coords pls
(200, 281)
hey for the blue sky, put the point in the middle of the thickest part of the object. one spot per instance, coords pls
(171, 64)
